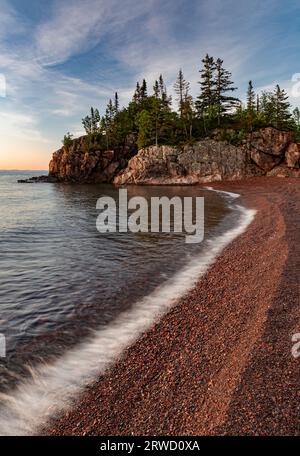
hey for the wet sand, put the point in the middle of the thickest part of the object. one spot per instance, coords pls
(220, 361)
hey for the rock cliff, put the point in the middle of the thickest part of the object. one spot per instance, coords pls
(83, 161)
(265, 152)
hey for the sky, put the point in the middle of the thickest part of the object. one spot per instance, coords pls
(59, 58)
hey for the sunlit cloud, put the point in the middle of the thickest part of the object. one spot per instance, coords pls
(78, 53)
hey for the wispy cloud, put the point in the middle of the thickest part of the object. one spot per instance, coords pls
(77, 55)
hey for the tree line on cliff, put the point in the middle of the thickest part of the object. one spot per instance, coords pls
(150, 119)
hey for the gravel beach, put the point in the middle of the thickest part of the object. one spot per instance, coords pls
(220, 361)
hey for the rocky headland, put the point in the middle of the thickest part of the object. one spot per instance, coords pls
(266, 152)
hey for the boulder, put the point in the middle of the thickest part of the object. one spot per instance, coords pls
(284, 171)
(265, 161)
(271, 141)
(205, 161)
(292, 155)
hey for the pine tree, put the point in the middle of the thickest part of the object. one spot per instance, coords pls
(109, 122)
(165, 99)
(91, 123)
(156, 89)
(296, 116)
(257, 103)
(143, 91)
(223, 85)
(267, 106)
(181, 88)
(206, 98)
(250, 98)
(282, 113)
(188, 112)
(185, 103)
(296, 123)
(251, 105)
(117, 104)
(137, 93)
(110, 112)
(144, 122)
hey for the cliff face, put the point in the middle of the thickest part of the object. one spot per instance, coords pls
(266, 152)
(83, 162)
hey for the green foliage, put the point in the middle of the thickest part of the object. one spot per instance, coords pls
(68, 139)
(150, 119)
(214, 103)
(234, 137)
(295, 122)
(146, 127)
(91, 123)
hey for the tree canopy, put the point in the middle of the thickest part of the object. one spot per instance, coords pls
(151, 119)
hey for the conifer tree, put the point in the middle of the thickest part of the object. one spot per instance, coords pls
(206, 98)
(165, 99)
(181, 88)
(137, 93)
(143, 90)
(185, 103)
(257, 103)
(188, 113)
(91, 123)
(117, 104)
(282, 113)
(223, 85)
(156, 89)
(251, 105)
(296, 116)
(267, 106)
(250, 98)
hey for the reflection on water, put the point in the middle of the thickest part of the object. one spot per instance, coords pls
(60, 278)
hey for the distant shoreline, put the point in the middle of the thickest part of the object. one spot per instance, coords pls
(220, 361)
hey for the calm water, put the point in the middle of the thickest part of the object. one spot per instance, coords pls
(60, 278)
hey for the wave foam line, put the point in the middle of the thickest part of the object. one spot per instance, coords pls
(231, 194)
(53, 387)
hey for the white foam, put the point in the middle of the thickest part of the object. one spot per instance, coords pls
(231, 194)
(52, 387)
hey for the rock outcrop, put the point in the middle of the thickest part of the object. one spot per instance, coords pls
(270, 147)
(265, 152)
(292, 155)
(84, 162)
(206, 161)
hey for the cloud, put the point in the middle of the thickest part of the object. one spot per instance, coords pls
(20, 126)
(79, 53)
(78, 25)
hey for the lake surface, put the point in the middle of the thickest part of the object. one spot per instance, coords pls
(60, 279)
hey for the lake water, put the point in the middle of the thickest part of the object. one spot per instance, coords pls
(60, 279)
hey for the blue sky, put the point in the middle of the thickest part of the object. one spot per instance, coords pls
(60, 57)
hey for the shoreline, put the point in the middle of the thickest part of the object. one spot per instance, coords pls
(220, 361)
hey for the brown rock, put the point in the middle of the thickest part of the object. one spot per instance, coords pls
(265, 161)
(292, 155)
(205, 161)
(271, 141)
(284, 171)
(83, 161)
